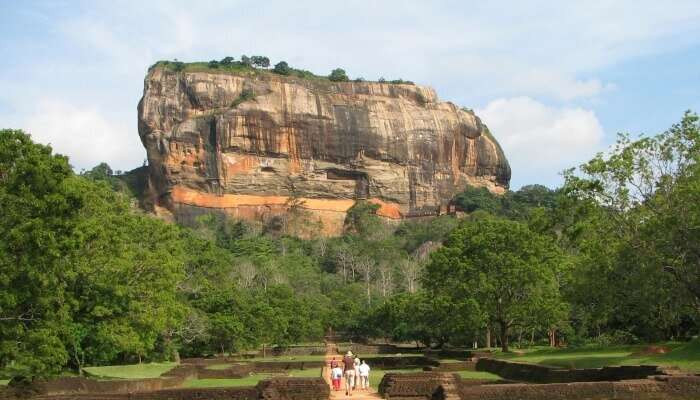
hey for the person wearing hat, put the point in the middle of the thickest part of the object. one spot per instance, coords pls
(349, 371)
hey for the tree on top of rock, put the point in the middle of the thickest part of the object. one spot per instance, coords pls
(282, 68)
(260, 61)
(338, 75)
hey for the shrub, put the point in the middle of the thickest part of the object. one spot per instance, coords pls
(227, 60)
(282, 68)
(338, 75)
(260, 61)
(402, 82)
(213, 64)
(381, 80)
(246, 94)
(178, 66)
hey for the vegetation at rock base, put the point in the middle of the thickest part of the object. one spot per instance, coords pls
(609, 259)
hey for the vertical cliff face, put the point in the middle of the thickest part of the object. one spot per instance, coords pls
(255, 145)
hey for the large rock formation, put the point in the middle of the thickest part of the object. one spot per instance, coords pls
(308, 144)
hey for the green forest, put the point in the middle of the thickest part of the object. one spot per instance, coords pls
(87, 278)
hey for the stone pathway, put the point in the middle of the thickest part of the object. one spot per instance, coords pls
(371, 394)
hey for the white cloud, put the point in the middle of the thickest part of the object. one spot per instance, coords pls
(85, 135)
(540, 141)
(93, 55)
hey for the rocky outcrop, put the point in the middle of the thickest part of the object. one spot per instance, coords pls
(257, 145)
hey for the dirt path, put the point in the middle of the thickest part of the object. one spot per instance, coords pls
(370, 394)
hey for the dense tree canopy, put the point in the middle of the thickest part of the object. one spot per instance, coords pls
(507, 273)
(86, 278)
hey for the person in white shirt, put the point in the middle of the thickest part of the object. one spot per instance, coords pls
(364, 375)
(336, 375)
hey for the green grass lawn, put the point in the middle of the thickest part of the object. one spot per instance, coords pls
(135, 371)
(4, 382)
(219, 367)
(376, 375)
(289, 358)
(251, 380)
(685, 356)
(306, 373)
(477, 375)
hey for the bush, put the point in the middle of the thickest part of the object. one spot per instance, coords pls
(227, 60)
(282, 68)
(246, 94)
(615, 338)
(213, 64)
(178, 66)
(402, 82)
(338, 75)
(260, 61)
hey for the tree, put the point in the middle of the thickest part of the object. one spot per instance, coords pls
(282, 68)
(246, 61)
(178, 66)
(338, 75)
(478, 198)
(386, 279)
(36, 224)
(634, 219)
(226, 61)
(102, 171)
(411, 270)
(260, 61)
(84, 279)
(367, 266)
(509, 271)
(213, 64)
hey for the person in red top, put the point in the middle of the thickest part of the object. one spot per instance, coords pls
(349, 369)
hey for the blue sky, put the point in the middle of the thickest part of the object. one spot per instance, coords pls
(554, 80)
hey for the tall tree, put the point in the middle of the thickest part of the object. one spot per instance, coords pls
(509, 271)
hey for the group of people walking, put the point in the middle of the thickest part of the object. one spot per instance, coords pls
(356, 373)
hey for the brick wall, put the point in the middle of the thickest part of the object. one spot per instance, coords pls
(421, 385)
(293, 389)
(683, 387)
(542, 374)
(400, 362)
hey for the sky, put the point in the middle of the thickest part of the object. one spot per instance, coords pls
(555, 81)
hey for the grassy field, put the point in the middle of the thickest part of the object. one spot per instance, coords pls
(306, 373)
(288, 358)
(218, 367)
(4, 382)
(376, 375)
(685, 356)
(251, 380)
(135, 371)
(478, 375)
